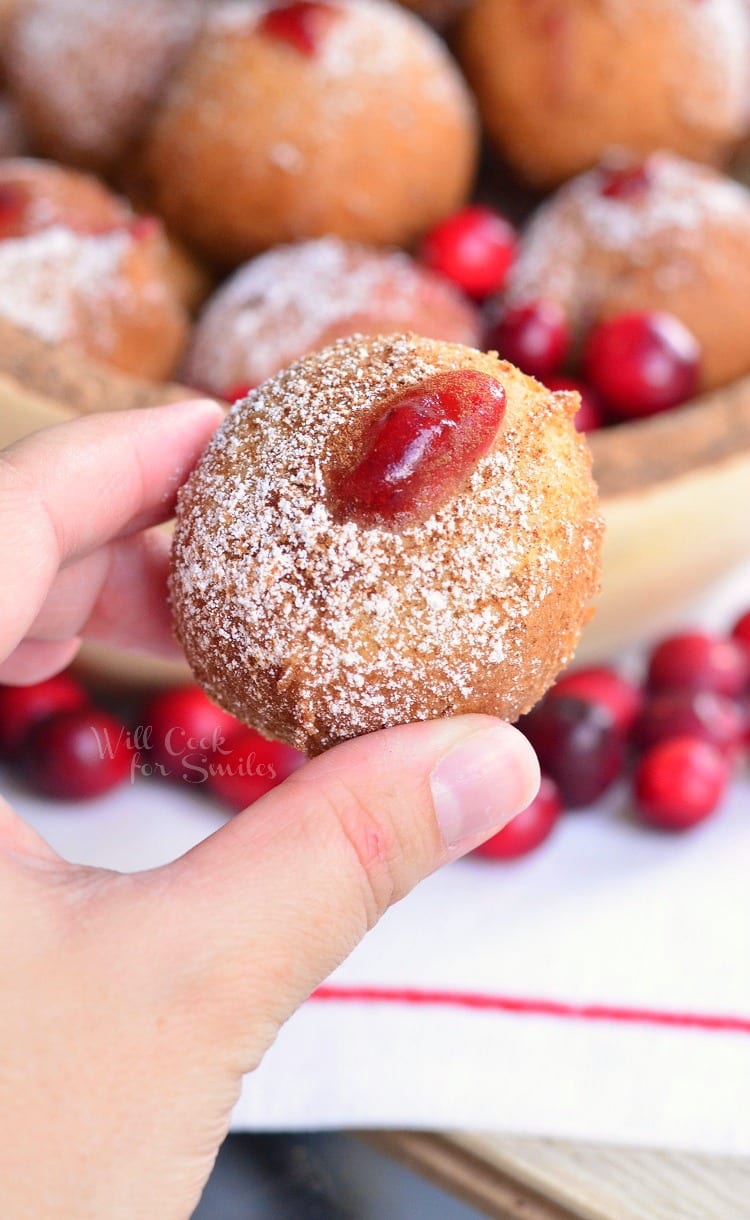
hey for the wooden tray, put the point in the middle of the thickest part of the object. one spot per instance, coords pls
(674, 490)
(517, 1179)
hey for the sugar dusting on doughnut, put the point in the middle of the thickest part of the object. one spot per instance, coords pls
(106, 294)
(294, 299)
(87, 71)
(681, 243)
(316, 631)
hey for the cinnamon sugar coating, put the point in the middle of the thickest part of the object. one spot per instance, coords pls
(75, 270)
(316, 631)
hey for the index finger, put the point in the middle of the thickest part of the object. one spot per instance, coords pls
(69, 489)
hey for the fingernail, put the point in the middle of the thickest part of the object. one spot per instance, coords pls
(482, 783)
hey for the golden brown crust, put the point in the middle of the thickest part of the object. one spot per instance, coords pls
(560, 82)
(316, 631)
(372, 138)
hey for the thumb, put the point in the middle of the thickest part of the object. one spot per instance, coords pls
(274, 900)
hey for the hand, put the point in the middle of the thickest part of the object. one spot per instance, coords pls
(131, 1005)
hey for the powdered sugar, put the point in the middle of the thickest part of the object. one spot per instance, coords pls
(94, 66)
(352, 628)
(295, 298)
(45, 277)
(663, 227)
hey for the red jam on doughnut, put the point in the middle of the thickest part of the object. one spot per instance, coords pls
(628, 182)
(13, 201)
(302, 25)
(420, 450)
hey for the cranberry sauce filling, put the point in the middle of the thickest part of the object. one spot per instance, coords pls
(13, 202)
(420, 450)
(627, 182)
(302, 25)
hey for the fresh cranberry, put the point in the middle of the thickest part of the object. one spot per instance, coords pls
(642, 363)
(236, 392)
(23, 707)
(13, 202)
(475, 248)
(685, 713)
(534, 337)
(680, 782)
(247, 766)
(302, 25)
(741, 632)
(698, 661)
(627, 182)
(420, 449)
(590, 414)
(181, 727)
(622, 699)
(529, 829)
(578, 745)
(77, 754)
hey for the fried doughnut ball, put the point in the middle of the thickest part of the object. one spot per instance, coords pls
(36, 195)
(77, 267)
(86, 73)
(393, 529)
(659, 234)
(298, 120)
(561, 82)
(296, 299)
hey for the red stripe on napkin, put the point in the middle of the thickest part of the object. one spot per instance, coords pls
(532, 1007)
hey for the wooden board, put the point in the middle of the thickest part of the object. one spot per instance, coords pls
(532, 1179)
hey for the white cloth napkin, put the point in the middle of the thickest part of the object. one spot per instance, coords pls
(598, 990)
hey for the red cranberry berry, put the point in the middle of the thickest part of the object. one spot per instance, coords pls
(302, 25)
(534, 337)
(642, 363)
(23, 707)
(741, 632)
(77, 754)
(698, 661)
(181, 727)
(475, 248)
(529, 829)
(622, 699)
(238, 391)
(685, 713)
(590, 414)
(247, 766)
(680, 782)
(626, 183)
(578, 745)
(421, 449)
